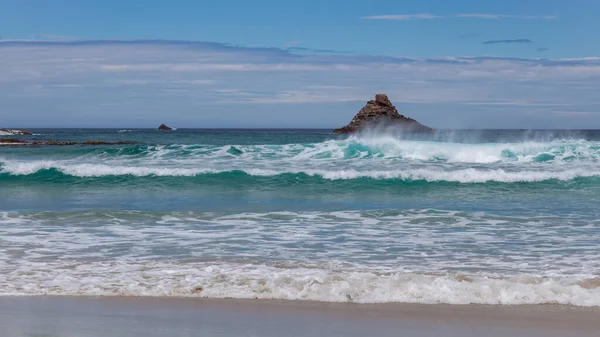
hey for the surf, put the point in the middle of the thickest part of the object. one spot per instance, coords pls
(356, 157)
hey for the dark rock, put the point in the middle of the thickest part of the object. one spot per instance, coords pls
(382, 113)
(15, 132)
(11, 141)
(52, 142)
(164, 127)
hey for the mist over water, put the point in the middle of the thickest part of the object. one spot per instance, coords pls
(497, 217)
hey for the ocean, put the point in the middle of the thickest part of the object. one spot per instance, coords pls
(469, 216)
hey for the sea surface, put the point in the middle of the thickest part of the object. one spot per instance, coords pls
(458, 217)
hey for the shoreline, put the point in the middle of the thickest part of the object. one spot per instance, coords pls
(144, 316)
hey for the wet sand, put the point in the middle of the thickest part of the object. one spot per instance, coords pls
(150, 317)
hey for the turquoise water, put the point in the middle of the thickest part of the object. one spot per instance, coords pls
(498, 217)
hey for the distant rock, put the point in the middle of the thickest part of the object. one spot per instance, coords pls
(164, 127)
(53, 142)
(9, 132)
(382, 113)
(4, 141)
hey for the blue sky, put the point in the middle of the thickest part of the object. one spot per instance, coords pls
(235, 63)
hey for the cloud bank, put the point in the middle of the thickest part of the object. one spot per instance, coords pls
(142, 83)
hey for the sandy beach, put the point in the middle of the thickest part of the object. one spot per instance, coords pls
(126, 316)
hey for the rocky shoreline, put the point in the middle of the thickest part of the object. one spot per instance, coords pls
(37, 142)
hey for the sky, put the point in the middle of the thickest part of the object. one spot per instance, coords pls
(304, 64)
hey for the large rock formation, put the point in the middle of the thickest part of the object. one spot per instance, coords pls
(164, 127)
(381, 113)
(8, 132)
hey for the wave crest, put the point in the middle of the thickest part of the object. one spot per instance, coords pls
(382, 158)
(465, 176)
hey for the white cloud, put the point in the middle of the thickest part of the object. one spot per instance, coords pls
(100, 83)
(288, 97)
(465, 15)
(199, 67)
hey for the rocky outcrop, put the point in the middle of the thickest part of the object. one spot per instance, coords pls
(11, 141)
(9, 132)
(163, 127)
(381, 113)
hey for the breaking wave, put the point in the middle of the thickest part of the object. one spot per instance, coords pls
(381, 158)
(249, 281)
(45, 170)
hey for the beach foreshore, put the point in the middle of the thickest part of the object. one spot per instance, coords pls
(138, 316)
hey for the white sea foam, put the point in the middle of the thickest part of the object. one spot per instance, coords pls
(461, 176)
(96, 170)
(420, 256)
(292, 283)
(425, 241)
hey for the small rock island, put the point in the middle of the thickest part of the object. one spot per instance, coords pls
(163, 127)
(382, 113)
